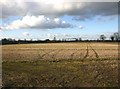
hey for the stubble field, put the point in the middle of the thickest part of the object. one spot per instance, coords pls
(60, 65)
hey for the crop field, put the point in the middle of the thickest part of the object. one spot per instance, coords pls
(85, 64)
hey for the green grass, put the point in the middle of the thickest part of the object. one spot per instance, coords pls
(62, 73)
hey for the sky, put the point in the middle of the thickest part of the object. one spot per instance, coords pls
(45, 19)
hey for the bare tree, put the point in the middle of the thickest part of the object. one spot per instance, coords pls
(102, 37)
(116, 36)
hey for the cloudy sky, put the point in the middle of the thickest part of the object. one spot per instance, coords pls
(44, 19)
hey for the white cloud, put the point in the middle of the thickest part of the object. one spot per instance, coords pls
(36, 22)
(81, 27)
(57, 20)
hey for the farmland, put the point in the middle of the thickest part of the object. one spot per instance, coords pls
(60, 65)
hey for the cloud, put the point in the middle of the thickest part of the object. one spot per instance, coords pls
(105, 19)
(37, 22)
(79, 10)
(0, 29)
(81, 27)
(26, 34)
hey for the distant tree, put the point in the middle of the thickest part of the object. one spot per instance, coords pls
(13, 39)
(9, 39)
(97, 39)
(112, 38)
(116, 36)
(80, 39)
(63, 40)
(4, 39)
(102, 37)
(47, 40)
(76, 39)
(54, 38)
(25, 40)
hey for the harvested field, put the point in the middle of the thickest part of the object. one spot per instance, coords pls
(25, 52)
(60, 65)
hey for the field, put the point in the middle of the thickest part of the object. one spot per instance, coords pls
(60, 65)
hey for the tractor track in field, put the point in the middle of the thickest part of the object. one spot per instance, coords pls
(89, 50)
(87, 53)
(51, 54)
(47, 53)
(72, 55)
(55, 52)
(90, 53)
(96, 54)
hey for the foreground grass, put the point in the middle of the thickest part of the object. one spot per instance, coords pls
(61, 73)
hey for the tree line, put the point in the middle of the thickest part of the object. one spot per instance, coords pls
(113, 38)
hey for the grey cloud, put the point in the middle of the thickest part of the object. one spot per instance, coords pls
(79, 10)
(93, 9)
